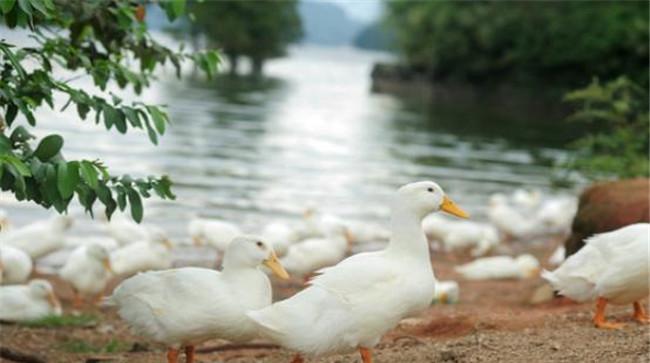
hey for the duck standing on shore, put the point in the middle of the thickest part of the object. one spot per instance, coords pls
(185, 306)
(612, 268)
(353, 304)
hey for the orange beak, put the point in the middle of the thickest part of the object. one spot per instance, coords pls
(274, 264)
(450, 207)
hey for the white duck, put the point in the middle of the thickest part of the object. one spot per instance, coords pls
(509, 221)
(613, 268)
(558, 256)
(526, 200)
(125, 230)
(480, 238)
(500, 267)
(556, 215)
(107, 243)
(15, 265)
(186, 306)
(5, 223)
(363, 232)
(88, 271)
(447, 292)
(351, 305)
(280, 236)
(39, 238)
(152, 254)
(212, 232)
(315, 253)
(33, 301)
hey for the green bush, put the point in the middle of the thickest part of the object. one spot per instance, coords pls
(617, 112)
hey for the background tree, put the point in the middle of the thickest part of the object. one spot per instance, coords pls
(564, 43)
(256, 29)
(101, 38)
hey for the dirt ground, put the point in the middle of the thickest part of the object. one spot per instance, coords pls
(493, 322)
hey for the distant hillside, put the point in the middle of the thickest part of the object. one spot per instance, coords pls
(374, 36)
(327, 24)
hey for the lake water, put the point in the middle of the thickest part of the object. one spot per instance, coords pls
(309, 134)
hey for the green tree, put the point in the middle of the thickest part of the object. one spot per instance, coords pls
(256, 29)
(492, 41)
(619, 144)
(101, 39)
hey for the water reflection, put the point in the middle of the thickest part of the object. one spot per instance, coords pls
(312, 134)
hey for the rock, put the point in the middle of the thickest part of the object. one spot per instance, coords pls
(607, 206)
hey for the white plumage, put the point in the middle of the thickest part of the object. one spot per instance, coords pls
(280, 236)
(87, 270)
(15, 265)
(500, 267)
(185, 306)
(613, 265)
(213, 232)
(447, 292)
(39, 238)
(314, 253)
(107, 243)
(125, 230)
(352, 304)
(33, 301)
(153, 254)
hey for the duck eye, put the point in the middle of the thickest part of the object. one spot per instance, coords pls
(430, 190)
(259, 244)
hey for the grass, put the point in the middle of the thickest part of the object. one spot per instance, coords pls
(81, 346)
(54, 321)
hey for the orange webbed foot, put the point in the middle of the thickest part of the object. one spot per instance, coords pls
(640, 314)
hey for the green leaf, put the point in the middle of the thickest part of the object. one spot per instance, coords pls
(159, 118)
(18, 164)
(89, 173)
(11, 113)
(7, 5)
(48, 147)
(40, 6)
(136, 205)
(25, 6)
(67, 178)
(20, 135)
(121, 198)
(113, 116)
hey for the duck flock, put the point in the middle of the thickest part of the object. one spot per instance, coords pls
(360, 278)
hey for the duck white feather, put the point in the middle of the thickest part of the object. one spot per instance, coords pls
(612, 265)
(185, 306)
(213, 232)
(32, 301)
(39, 238)
(312, 254)
(500, 267)
(15, 265)
(153, 254)
(352, 304)
(87, 270)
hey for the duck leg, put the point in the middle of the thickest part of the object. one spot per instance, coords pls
(599, 317)
(189, 354)
(172, 355)
(297, 359)
(77, 301)
(639, 313)
(366, 355)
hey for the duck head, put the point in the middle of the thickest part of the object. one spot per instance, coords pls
(99, 254)
(426, 197)
(528, 265)
(252, 251)
(42, 289)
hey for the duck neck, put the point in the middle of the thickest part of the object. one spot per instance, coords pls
(407, 236)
